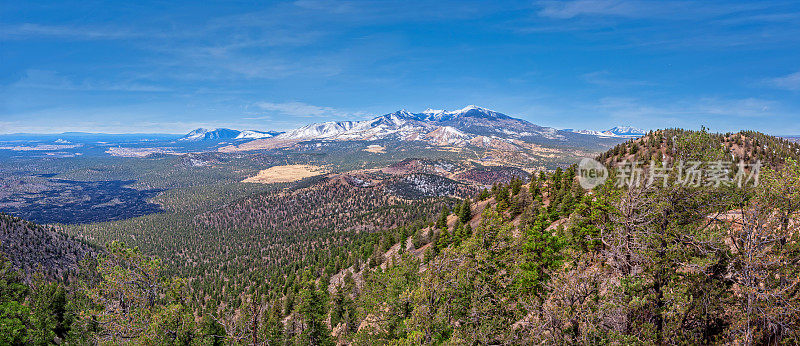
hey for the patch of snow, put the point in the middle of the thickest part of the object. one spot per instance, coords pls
(252, 134)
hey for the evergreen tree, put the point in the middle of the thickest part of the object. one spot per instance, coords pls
(465, 212)
(441, 222)
(14, 315)
(313, 310)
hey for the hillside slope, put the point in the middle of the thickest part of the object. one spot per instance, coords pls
(539, 263)
(548, 263)
(33, 248)
(748, 146)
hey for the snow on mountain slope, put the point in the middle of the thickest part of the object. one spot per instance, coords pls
(202, 134)
(468, 111)
(586, 132)
(627, 131)
(324, 130)
(195, 135)
(215, 134)
(595, 133)
(616, 132)
(438, 127)
(446, 135)
(253, 134)
(377, 128)
(460, 126)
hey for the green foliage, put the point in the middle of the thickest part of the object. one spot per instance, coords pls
(14, 316)
(441, 222)
(465, 212)
(48, 303)
(386, 298)
(313, 310)
(547, 264)
(213, 331)
(541, 253)
(590, 214)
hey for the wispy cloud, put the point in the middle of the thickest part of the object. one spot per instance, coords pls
(673, 10)
(632, 108)
(51, 80)
(750, 107)
(304, 110)
(605, 78)
(788, 82)
(571, 9)
(403, 10)
(7, 126)
(668, 24)
(124, 119)
(674, 62)
(33, 30)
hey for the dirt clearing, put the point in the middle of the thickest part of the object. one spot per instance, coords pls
(284, 174)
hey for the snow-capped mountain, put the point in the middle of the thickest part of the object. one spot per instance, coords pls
(469, 111)
(202, 134)
(593, 133)
(439, 127)
(206, 134)
(324, 130)
(615, 132)
(468, 126)
(627, 131)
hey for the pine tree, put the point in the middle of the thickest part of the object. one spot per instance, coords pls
(465, 212)
(442, 221)
(313, 310)
(14, 316)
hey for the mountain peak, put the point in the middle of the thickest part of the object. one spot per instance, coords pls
(433, 111)
(473, 111)
(403, 113)
(478, 112)
(437, 126)
(471, 107)
(195, 135)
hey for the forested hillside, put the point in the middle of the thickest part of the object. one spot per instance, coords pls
(534, 261)
(37, 249)
(747, 146)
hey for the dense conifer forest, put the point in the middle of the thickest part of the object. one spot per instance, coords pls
(537, 260)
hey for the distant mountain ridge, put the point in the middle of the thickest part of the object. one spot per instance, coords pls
(468, 126)
(440, 127)
(202, 134)
(617, 131)
(627, 131)
(795, 139)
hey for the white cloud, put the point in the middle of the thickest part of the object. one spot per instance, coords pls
(690, 109)
(29, 30)
(570, 9)
(675, 10)
(743, 108)
(5, 126)
(788, 82)
(43, 79)
(605, 78)
(300, 109)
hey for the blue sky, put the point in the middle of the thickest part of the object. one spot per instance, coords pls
(168, 67)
